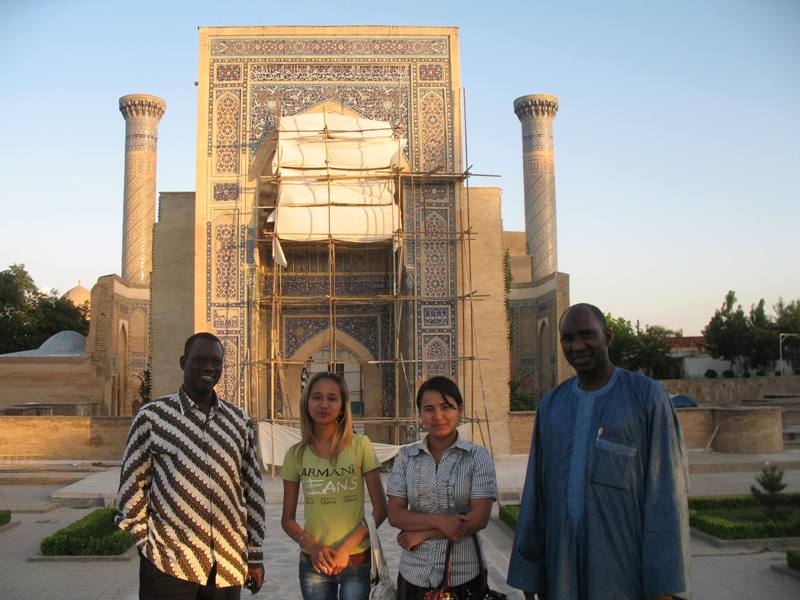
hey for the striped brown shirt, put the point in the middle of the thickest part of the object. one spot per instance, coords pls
(190, 489)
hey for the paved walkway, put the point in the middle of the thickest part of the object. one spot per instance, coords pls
(717, 574)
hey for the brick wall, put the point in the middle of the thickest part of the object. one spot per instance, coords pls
(64, 438)
(520, 428)
(63, 380)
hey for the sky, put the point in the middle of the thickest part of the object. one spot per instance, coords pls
(677, 139)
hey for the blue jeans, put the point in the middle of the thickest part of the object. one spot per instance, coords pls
(350, 584)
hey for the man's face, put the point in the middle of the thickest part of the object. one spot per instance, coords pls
(202, 367)
(584, 342)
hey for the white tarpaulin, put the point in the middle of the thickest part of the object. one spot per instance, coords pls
(283, 437)
(336, 179)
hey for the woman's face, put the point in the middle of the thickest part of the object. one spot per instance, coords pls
(439, 413)
(325, 402)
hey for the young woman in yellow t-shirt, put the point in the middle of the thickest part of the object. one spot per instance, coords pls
(332, 463)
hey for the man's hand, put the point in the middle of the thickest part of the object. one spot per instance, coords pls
(532, 596)
(452, 526)
(667, 597)
(255, 573)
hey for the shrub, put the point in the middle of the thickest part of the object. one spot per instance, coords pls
(509, 515)
(728, 374)
(733, 530)
(5, 516)
(711, 374)
(769, 495)
(94, 534)
(717, 502)
(793, 558)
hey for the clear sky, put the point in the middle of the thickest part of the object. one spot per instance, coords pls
(677, 139)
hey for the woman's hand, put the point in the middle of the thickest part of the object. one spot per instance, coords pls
(322, 559)
(452, 526)
(409, 540)
(341, 560)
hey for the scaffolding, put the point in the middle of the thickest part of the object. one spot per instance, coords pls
(310, 179)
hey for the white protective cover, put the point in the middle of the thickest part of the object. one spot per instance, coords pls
(337, 178)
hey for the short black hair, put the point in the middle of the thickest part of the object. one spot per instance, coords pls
(443, 385)
(203, 335)
(598, 314)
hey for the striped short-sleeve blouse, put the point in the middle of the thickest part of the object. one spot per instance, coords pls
(465, 471)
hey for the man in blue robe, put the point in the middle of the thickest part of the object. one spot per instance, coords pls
(604, 513)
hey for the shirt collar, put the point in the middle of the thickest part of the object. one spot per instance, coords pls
(188, 404)
(460, 443)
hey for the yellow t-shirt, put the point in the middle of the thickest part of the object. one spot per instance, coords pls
(333, 491)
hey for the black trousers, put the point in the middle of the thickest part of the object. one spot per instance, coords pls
(474, 589)
(157, 585)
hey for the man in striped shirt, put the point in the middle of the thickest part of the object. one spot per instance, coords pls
(190, 489)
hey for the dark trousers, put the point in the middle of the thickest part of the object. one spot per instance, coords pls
(156, 585)
(474, 589)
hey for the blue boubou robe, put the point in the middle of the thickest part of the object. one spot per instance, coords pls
(604, 513)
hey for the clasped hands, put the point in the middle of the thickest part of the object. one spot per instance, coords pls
(452, 527)
(329, 560)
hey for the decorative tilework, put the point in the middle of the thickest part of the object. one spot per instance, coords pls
(434, 153)
(229, 382)
(431, 72)
(436, 270)
(436, 352)
(226, 319)
(386, 102)
(226, 265)
(328, 72)
(227, 132)
(436, 316)
(226, 191)
(227, 72)
(330, 47)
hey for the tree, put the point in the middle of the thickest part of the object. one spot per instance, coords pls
(28, 317)
(640, 349)
(764, 338)
(623, 347)
(728, 333)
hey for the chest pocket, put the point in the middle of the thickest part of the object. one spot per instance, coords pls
(613, 464)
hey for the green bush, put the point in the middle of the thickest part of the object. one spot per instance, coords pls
(715, 502)
(726, 529)
(5, 516)
(793, 558)
(94, 534)
(509, 515)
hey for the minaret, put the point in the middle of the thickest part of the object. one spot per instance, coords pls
(142, 114)
(536, 113)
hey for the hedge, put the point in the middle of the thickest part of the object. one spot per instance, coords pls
(714, 502)
(5, 516)
(94, 534)
(793, 558)
(509, 515)
(734, 530)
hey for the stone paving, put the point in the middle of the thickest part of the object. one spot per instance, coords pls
(718, 574)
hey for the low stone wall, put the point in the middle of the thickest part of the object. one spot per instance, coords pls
(520, 429)
(735, 430)
(731, 392)
(63, 438)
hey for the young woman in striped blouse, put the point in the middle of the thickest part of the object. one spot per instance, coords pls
(441, 489)
(332, 463)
